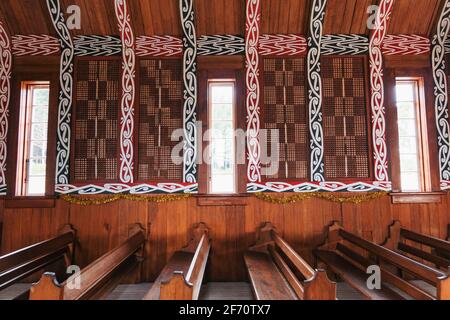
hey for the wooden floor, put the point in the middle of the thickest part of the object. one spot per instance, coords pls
(211, 291)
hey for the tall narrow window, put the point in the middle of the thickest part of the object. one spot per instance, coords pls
(222, 138)
(32, 151)
(412, 136)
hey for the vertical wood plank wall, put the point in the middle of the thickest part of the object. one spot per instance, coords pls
(101, 228)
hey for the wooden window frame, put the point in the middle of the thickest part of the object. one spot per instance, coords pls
(222, 67)
(224, 82)
(24, 136)
(393, 72)
(33, 69)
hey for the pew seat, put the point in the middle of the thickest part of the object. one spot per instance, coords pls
(99, 278)
(419, 246)
(356, 278)
(55, 253)
(182, 277)
(350, 256)
(266, 279)
(277, 272)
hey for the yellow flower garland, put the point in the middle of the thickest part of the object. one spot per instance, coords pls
(357, 199)
(109, 199)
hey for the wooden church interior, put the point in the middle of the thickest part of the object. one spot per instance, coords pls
(91, 93)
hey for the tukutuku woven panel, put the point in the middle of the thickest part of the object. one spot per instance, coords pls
(285, 111)
(161, 113)
(345, 118)
(96, 120)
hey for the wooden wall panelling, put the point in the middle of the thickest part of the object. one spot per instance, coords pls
(347, 16)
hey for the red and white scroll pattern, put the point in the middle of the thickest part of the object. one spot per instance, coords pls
(159, 46)
(253, 17)
(35, 45)
(5, 95)
(405, 44)
(282, 45)
(128, 94)
(377, 95)
(118, 188)
(441, 94)
(307, 187)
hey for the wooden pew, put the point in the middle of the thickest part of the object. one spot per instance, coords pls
(182, 277)
(277, 272)
(99, 278)
(25, 262)
(349, 256)
(402, 240)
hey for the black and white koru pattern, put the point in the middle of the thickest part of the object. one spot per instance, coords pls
(190, 90)
(344, 44)
(315, 90)
(65, 97)
(96, 46)
(221, 45)
(440, 89)
(447, 46)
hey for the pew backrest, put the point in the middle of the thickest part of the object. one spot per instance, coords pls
(411, 243)
(312, 285)
(186, 284)
(339, 239)
(98, 278)
(22, 263)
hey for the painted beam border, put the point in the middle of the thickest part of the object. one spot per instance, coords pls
(5, 96)
(66, 93)
(306, 187)
(315, 90)
(128, 91)
(190, 90)
(252, 34)
(159, 46)
(138, 189)
(282, 45)
(377, 37)
(441, 93)
(405, 44)
(220, 45)
(97, 46)
(35, 45)
(344, 44)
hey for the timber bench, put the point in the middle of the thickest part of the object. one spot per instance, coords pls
(277, 272)
(406, 242)
(182, 277)
(99, 278)
(349, 256)
(39, 257)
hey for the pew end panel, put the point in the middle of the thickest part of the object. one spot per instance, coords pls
(291, 276)
(99, 278)
(47, 288)
(52, 255)
(182, 277)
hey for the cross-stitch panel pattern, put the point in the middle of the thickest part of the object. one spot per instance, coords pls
(285, 111)
(345, 118)
(161, 113)
(96, 120)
